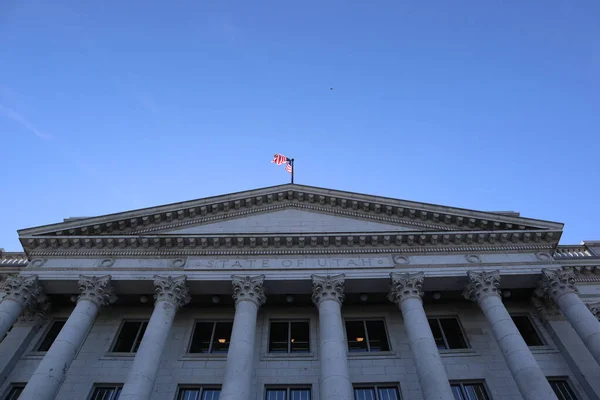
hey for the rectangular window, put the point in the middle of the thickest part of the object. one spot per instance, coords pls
(106, 392)
(51, 335)
(527, 330)
(562, 389)
(211, 337)
(288, 394)
(130, 336)
(469, 391)
(369, 335)
(198, 393)
(289, 337)
(376, 393)
(447, 333)
(14, 392)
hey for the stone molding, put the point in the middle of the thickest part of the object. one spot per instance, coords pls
(556, 283)
(249, 288)
(23, 289)
(172, 290)
(482, 284)
(97, 289)
(328, 287)
(405, 286)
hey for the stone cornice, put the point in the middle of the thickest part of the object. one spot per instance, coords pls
(352, 204)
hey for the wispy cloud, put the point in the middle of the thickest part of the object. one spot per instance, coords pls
(21, 120)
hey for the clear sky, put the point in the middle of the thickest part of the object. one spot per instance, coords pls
(108, 106)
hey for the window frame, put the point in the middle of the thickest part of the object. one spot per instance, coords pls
(289, 337)
(537, 331)
(565, 380)
(12, 387)
(116, 337)
(209, 353)
(364, 321)
(460, 327)
(200, 387)
(288, 389)
(45, 333)
(375, 387)
(472, 382)
(97, 386)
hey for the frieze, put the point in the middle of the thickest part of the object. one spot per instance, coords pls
(289, 263)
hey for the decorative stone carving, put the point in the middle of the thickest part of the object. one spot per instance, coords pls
(96, 289)
(249, 288)
(23, 289)
(172, 290)
(328, 288)
(482, 284)
(473, 259)
(594, 308)
(406, 285)
(555, 283)
(545, 309)
(399, 260)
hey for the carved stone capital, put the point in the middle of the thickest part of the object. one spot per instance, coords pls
(249, 288)
(172, 290)
(23, 289)
(406, 285)
(546, 309)
(555, 283)
(96, 289)
(328, 288)
(482, 284)
(594, 308)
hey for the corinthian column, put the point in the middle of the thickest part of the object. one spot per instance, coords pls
(50, 373)
(171, 293)
(328, 295)
(483, 289)
(22, 292)
(406, 291)
(559, 287)
(249, 295)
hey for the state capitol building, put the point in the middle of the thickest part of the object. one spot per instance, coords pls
(295, 292)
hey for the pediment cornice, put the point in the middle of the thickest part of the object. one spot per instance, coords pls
(424, 217)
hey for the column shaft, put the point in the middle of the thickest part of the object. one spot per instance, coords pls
(9, 312)
(333, 349)
(430, 368)
(50, 373)
(583, 321)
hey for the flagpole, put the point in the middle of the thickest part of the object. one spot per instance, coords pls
(293, 168)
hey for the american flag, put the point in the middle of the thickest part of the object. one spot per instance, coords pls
(281, 159)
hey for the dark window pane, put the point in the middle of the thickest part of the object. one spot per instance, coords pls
(189, 394)
(562, 390)
(300, 394)
(364, 394)
(437, 333)
(300, 337)
(51, 335)
(355, 331)
(475, 391)
(527, 330)
(106, 393)
(390, 393)
(278, 337)
(454, 335)
(14, 393)
(211, 394)
(140, 336)
(377, 336)
(276, 394)
(126, 339)
(201, 338)
(458, 393)
(222, 337)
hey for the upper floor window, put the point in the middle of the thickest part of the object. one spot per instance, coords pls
(15, 391)
(287, 394)
(562, 389)
(211, 337)
(130, 336)
(366, 335)
(289, 337)
(106, 392)
(198, 393)
(447, 333)
(469, 391)
(51, 335)
(384, 392)
(527, 330)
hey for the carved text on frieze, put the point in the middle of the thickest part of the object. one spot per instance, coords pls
(288, 263)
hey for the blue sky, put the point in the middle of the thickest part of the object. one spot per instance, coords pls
(112, 106)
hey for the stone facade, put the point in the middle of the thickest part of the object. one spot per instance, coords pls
(445, 296)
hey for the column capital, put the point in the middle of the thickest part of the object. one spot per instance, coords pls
(328, 287)
(555, 283)
(406, 285)
(594, 308)
(482, 284)
(24, 289)
(249, 288)
(96, 289)
(172, 290)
